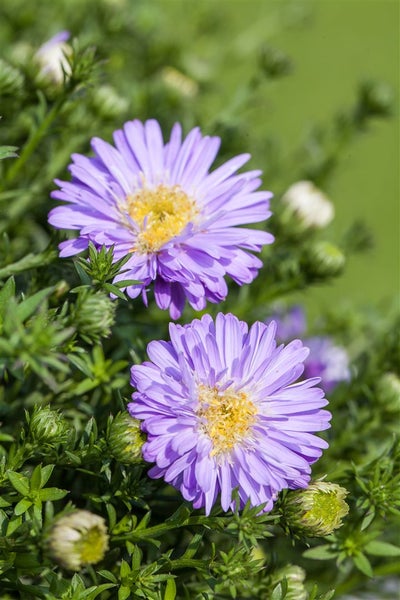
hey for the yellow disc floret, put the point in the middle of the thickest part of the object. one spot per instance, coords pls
(161, 213)
(225, 416)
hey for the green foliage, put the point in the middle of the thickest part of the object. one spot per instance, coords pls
(68, 335)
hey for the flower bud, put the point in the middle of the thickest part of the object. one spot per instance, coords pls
(180, 83)
(294, 576)
(48, 426)
(308, 204)
(317, 510)
(108, 103)
(324, 259)
(52, 61)
(93, 315)
(376, 99)
(388, 392)
(11, 80)
(125, 439)
(77, 539)
(274, 63)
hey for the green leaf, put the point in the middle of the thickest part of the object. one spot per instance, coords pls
(8, 152)
(19, 482)
(324, 552)
(52, 494)
(22, 506)
(26, 308)
(377, 548)
(13, 525)
(124, 592)
(36, 478)
(170, 590)
(46, 474)
(362, 563)
(6, 293)
(112, 289)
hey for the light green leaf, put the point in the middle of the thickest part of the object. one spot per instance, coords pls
(170, 590)
(27, 307)
(19, 482)
(377, 548)
(362, 563)
(323, 552)
(22, 506)
(52, 494)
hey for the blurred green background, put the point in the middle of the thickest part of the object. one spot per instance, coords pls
(333, 45)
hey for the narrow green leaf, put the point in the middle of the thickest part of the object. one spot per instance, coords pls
(52, 494)
(36, 478)
(46, 472)
(323, 552)
(19, 482)
(22, 506)
(6, 293)
(112, 289)
(124, 592)
(27, 307)
(377, 548)
(362, 563)
(170, 590)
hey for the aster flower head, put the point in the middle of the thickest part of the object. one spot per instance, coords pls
(326, 359)
(223, 409)
(160, 204)
(78, 539)
(51, 57)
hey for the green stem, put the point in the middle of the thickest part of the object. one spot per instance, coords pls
(33, 142)
(158, 530)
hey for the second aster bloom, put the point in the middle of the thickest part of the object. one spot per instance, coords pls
(160, 204)
(223, 408)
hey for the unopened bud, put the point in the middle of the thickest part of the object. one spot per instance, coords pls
(324, 259)
(108, 103)
(125, 439)
(388, 391)
(11, 79)
(376, 99)
(177, 81)
(294, 576)
(77, 539)
(52, 59)
(93, 315)
(308, 204)
(274, 63)
(317, 510)
(48, 426)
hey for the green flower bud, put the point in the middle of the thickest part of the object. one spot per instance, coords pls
(317, 510)
(376, 99)
(324, 259)
(125, 439)
(48, 426)
(11, 80)
(107, 102)
(388, 391)
(77, 539)
(294, 576)
(180, 83)
(274, 63)
(93, 315)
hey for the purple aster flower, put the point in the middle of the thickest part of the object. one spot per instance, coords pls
(223, 408)
(160, 204)
(326, 360)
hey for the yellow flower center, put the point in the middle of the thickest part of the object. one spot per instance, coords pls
(161, 213)
(92, 546)
(226, 417)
